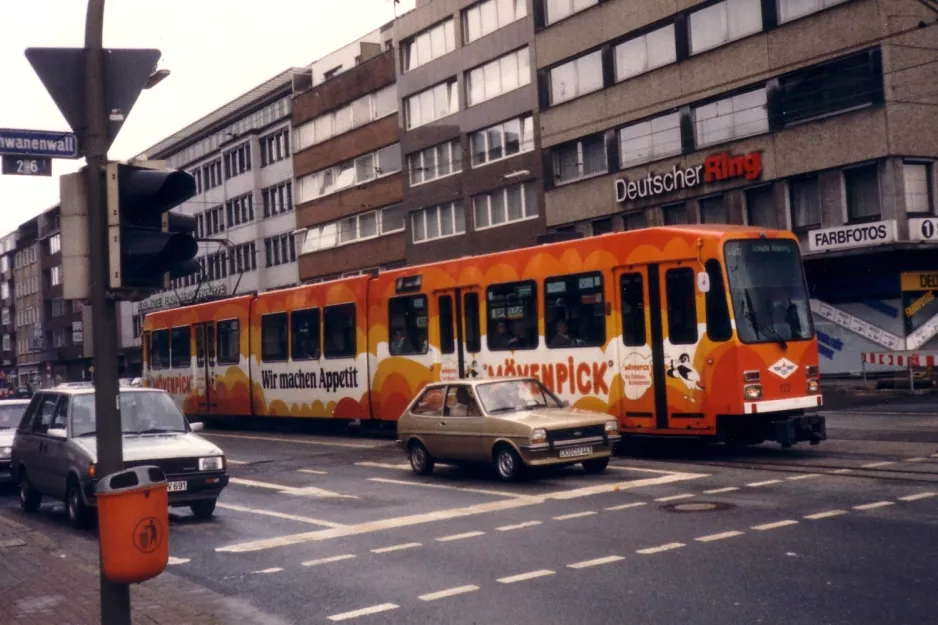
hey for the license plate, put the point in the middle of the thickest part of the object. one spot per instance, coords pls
(575, 451)
(175, 487)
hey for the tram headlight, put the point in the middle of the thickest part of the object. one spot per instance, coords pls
(814, 386)
(752, 391)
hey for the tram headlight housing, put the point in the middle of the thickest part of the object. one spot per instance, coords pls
(814, 386)
(752, 391)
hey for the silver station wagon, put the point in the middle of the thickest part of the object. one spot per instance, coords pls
(11, 413)
(54, 450)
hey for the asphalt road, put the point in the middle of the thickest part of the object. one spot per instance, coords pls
(319, 529)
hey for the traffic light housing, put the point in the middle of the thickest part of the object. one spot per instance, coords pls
(148, 244)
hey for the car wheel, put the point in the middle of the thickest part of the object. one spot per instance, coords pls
(596, 465)
(77, 510)
(508, 463)
(420, 460)
(203, 509)
(30, 498)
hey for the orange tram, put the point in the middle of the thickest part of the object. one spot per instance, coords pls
(700, 331)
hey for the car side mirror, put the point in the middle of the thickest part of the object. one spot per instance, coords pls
(197, 426)
(57, 433)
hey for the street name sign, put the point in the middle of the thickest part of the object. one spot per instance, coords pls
(38, 143)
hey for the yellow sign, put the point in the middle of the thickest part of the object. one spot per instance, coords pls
(919, 304)
(919, 280)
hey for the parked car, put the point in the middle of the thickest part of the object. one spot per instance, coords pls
(54, 450)
(511, 422)
(11, 412)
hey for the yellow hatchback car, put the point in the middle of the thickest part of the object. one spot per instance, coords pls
(513, 423)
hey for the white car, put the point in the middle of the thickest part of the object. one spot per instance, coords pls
(11, 413)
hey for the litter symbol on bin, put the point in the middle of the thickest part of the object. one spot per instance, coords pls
(148, 535)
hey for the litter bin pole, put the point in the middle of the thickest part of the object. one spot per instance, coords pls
(133, 524)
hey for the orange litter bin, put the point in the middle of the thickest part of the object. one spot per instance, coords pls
(133, 524)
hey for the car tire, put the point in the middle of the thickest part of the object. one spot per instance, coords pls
(508, 464)
(30, 498)
(78, 514)
(203, 509)
(596, 465)
(420, 459)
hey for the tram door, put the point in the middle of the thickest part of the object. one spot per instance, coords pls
(205, 366)
(458, 318)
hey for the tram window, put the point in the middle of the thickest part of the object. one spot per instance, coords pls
(304, 329)
(512, 316)
(633, 309)
(471, 316)
(210, 330)
(682, 306)
(407, 325)
(718, 311)
(274, 337)
(200, 346)
(159, 349)
(229, 343)
(574, 311)
(181, 354)
(340, 331)
(447, 340)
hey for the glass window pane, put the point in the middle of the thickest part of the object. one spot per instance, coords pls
(509, 72)
(459, 218)
(389, 159)
(423, 48)
(512, 130)
(666, 135)
(497, 204)
(631, 59)
(414, 167)
(417, 226)
(530, 200)
(437, 42)
(917, 188)
(635, 144)
(494, 143)
(476, 86)
(589, 73)
(524, 67)
(562, 83)
(521, 9)
(367, 225)
(557, 10)
(392, 219)
(506, 12)
(489, 17)
(480, 205)
(493, 80)
(527, 134)
(361, 111)
(449, 30)
(427, 109)
(745, 18)
(433, 223)
(708, 28)
(443, 164)
(660, 47)
(364, 168)
(473, 24)
(477, 143)
(515, 203)
(446, 220)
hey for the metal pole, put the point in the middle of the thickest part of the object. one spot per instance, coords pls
(115, 598)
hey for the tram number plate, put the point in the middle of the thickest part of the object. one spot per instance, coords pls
(576, 451)
(176, 487)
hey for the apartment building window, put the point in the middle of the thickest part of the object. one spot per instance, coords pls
(503, 140)
(674, 214)
(738, 116)
(580, 159)
(650, 140)
(358, 227)
(280, 250)
(789, 10)
(59, 338)
(917, 178)
(275, 147)
(712, 210)
(277, 199)
(721, 23)
(760, 207)
(76, 306)
(634, 221)
(499, 76)
(240, 210)
(429, 44)
(364, 110)
(601, 226)
(55, 276)
(197, 174)
(804, 195)
(486, 17)
(645, 53)
(214, 221)
(576, 78)
(211, 175)
(4, 264)
(5, 290)
(388, 220)
(5, 317)
(242, 258)
(435, 162)
(556, 10)
(237, 160)
(503, 206)
(55, 244)
(431, 104)
(437, 222)
(384, 162)
(862, 193)
(7, 343)
(58, 307)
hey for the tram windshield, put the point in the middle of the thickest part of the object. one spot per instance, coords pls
(767, 287)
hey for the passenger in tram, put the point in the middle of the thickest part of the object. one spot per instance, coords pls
(400, 344)
(561, 336)
(501, 339)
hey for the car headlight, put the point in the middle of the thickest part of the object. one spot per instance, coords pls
(5, 452)
(213, 463)
(612, 427)
(538, 436)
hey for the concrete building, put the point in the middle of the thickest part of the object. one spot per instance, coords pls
(814, 116)
(28, 304)
(347, 162)
(8, 347)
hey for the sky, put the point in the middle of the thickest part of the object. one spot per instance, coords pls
(216, 50)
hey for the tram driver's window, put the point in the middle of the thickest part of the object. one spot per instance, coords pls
(633, 309)
(407, 325)
(181, 348)
(512, 316)
(574, 311)
(718, 311)
(340, 331)
(229, 342)
(274, 337)
(159, 349)
(680, 288)
(304, 334)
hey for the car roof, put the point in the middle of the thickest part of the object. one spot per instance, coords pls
(89, 390)
(480, 381)
(14, 401)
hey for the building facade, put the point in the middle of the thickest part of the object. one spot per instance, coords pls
(28, 304)
(805, 116)
(8, 347)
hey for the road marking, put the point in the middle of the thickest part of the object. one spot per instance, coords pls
(508, 528)
(442, 594)
(915, 460)
(173, 560)
(278, 439)
(465, 489)
(772, 526)
(449, 513)
(312, 471)
(233, 461)
(825, 515)
(876, 504)
(721, 536)
(624, 506)
(275, 569)
(917, 497)
(290, 490)
(933, 456)
(575, 515)
(446, 539)
(403, 466)
(347, 556)
(400, 547)
(384, 607)
(525, 576)
(874, 465)
(765, 483)
(675, 497)
(595, 562)
(714, 491)
(840, 471)
(806, 476)
(660, 548)
(279, 515)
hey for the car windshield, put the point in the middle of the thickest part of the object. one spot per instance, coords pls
(141, 413)
(515, 395)
(11, 414)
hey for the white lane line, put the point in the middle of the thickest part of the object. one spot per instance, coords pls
(806, 476)
(375, 609)
(442, 594)
(933, 456)
(400, 547)
(765, 483)
(595, 562)
(465, 489)
(875, 504)
(233, 461)
(840, 471)
(279, 515)
(720, 536)
(826, 514)
(173, 560)
(727, 489)
(525, 576)
(615, 487)
(401, 466)
(275, 569)
(675, 497)
(915, 460)
(347, 556)
(278, 439)
(446, 539)
(575, 515)
(917, 497)
(508, 528)
(290, 490)
(772, 526)
(660, 548)
(312, 471)
(874, 465)
(625, 506)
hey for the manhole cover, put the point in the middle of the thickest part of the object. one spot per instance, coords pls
(697, 506)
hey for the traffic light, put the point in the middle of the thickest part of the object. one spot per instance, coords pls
(148, 244)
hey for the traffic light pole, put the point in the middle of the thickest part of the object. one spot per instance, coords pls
(115, 598)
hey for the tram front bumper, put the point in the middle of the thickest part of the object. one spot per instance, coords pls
(786, 429)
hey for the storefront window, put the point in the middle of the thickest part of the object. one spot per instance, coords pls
(805, 197)
(862, 193)
(760, 207)
(675, 214)
(634, 221)
(712, 210)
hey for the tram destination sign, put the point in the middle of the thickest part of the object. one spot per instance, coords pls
(49, 144)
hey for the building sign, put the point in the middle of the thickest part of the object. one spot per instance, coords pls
(170, 300)
(919, 280)
(859, 235)
(923, 229)
(716, 168)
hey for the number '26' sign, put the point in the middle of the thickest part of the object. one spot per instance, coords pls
(27, 165)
